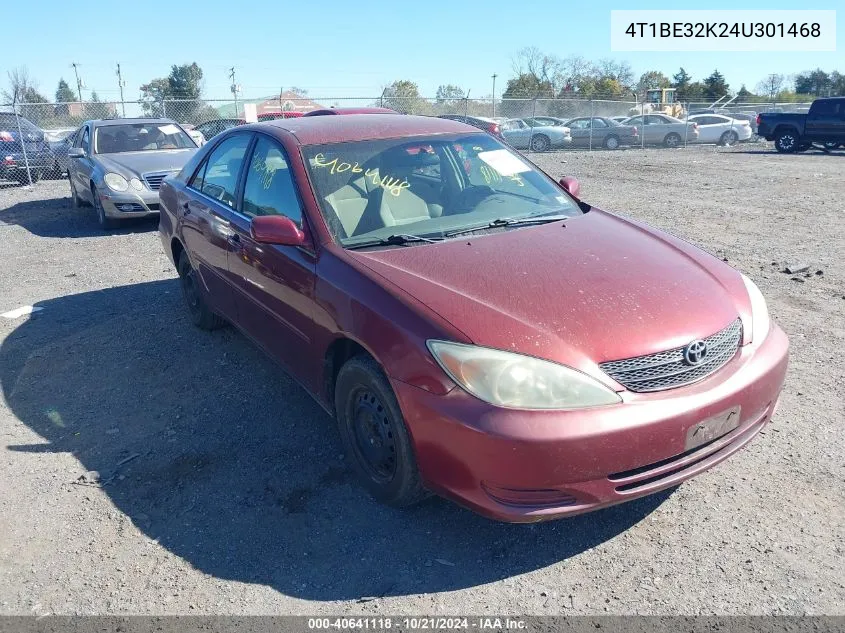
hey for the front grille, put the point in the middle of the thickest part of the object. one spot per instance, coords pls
(154, 179)
(666, 370)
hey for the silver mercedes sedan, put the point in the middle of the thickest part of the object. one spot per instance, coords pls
(117, 165)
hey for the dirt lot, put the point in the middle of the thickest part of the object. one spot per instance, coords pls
(220, 486)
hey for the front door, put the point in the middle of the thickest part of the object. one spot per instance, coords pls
(80, 169)
(205, 216)
(826, 121)
(274, 285)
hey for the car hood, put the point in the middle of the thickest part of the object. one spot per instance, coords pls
(137, 163)
(599, 288)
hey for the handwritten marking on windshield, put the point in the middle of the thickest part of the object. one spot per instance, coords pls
(393, 185)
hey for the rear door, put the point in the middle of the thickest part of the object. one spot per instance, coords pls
(205, 219)
(274, 285)
(580, 131)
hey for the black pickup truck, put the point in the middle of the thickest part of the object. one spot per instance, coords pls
(823, 124)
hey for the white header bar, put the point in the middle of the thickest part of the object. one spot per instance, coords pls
(723, 30)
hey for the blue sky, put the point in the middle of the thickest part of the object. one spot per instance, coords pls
(335, 48)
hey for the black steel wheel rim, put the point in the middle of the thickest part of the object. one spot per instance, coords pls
(189, 289)
(373, 435)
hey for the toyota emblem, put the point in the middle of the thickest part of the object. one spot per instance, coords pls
(695, 352)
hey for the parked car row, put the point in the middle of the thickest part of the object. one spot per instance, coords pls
(399, 268)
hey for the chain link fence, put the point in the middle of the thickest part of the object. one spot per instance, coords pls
(588, 118)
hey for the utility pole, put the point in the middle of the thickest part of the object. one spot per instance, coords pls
(78, 81)
(120, 84)
(494, 93)
(234, 88)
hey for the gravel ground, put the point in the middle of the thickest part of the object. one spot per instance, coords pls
(148, 467)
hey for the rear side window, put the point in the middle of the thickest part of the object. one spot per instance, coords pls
(218, 176)
(826, 108)
(269, 188)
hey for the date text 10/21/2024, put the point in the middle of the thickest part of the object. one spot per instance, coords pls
(417, 623)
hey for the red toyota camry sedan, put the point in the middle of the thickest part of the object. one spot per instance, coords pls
(477, 330)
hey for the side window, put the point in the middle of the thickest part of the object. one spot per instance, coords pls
(84, 141)
(220, 173)
(599, 123)
(824, 108)
(269, 188)
(637, 120)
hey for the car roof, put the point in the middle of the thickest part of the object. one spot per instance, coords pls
(351, 110)
(314, 130)
(104, 122)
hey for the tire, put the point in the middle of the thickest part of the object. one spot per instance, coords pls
(672, 140)
(786, 142)
(540, 143)
(201, 315)
(103, 220)
(374, 434)
(611, 142)
(729, 138)
(75, 201)
(35, 174)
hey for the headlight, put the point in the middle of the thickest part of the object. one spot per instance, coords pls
(515, 381)
(116, 182)
(137, 184)
(759, 311)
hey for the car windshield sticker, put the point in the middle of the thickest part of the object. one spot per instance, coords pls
(168, 129)
(504, 162)
(492, 176)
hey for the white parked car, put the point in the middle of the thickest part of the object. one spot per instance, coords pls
(720, 129)
(521, 135)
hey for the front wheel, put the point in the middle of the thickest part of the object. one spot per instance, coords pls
(672, 140)
(786, 142)
(201, 315)
(103, 220)
(611, 142)
(374, 435)
(540, 143)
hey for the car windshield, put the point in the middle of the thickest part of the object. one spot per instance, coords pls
(427, 187)
(140, 137)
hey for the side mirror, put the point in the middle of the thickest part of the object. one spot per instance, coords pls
(572, 186)
(76, 152)
(276, 229)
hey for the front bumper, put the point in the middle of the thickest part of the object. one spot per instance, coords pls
(129, 204)
(526, 466)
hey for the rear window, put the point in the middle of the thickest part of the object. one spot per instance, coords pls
(9, 123)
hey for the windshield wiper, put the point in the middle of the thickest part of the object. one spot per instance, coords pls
(500, 222)
(393, 240)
